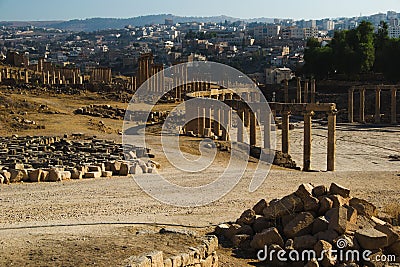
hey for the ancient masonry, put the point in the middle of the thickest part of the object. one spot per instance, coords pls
(378, 89)
(316, 219)
(208, 120)
(51, 159)
(204, 255)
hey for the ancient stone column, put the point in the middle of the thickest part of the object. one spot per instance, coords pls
(307, 141)
(286, 93)
(217, 121)
(246, 118)
(1, 74)
(225, 128)
(350, 108)
(240, 126)
(377, 105)
(285, 131)
(253, 128)
(267, 129)
(393, 108)
(201, 121)
(306, 91)
(298, 99)
(362, 105)
(313, 91)
(331, 157)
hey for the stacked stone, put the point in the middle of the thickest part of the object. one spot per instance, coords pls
(107, 111)
(36, 159)
(319, 220)
(204, 255)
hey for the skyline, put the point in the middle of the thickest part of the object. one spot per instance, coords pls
(44, 10)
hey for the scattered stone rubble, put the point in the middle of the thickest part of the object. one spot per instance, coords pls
(51, 159)
(107, 111)
(314, 219)
(204, 255)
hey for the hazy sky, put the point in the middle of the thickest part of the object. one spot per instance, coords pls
(297, 9)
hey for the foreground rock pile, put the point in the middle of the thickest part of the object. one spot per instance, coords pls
(317, 220)
(50, 159)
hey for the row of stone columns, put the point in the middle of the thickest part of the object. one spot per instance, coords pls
(307, 96)
(17, 75)
(393, 108)
(331, 148)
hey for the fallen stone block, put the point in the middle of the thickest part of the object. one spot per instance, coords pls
(338, 201)
(363, 207)
(106, 174)
(304, 242)
(267, 237)
(91, 175)
(328, 235)
(394, 249)
(284, 206)
(342, 191)
(320, 224)
(77, 174)
(320, 191)
(156, 258)
(124, 169)
(300, 225)
(325, 204)
(6, 175)
(323, 250)
(247, 217)
(261, 223)
(35, 176)
(16, 176)
(391, 233)
(260, 206)
(245, 229)
(304, 191)
(241, 241)
(338, 220)
(371, 239)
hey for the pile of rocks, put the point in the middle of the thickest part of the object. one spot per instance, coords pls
(102, 111)
(317, 221)
(36, 159)
(107, 111)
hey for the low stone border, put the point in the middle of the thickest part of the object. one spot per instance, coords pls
(205, 255)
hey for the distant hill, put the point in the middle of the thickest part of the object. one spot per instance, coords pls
(94, 24)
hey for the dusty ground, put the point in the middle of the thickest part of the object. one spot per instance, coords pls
(94, 222)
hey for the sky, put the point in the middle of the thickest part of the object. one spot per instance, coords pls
(31, 10)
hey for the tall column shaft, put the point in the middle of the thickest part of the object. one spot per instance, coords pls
(378, 105)
(307, 141)
(362, 105)
(306, 91)
(331, 157)
(253, 129)
(217, 121)
(240, 126)
(393, 107)
(298, 99)
(313, 91)
(267, 129)
(350, 108)
(286, 93)
(285, 131)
